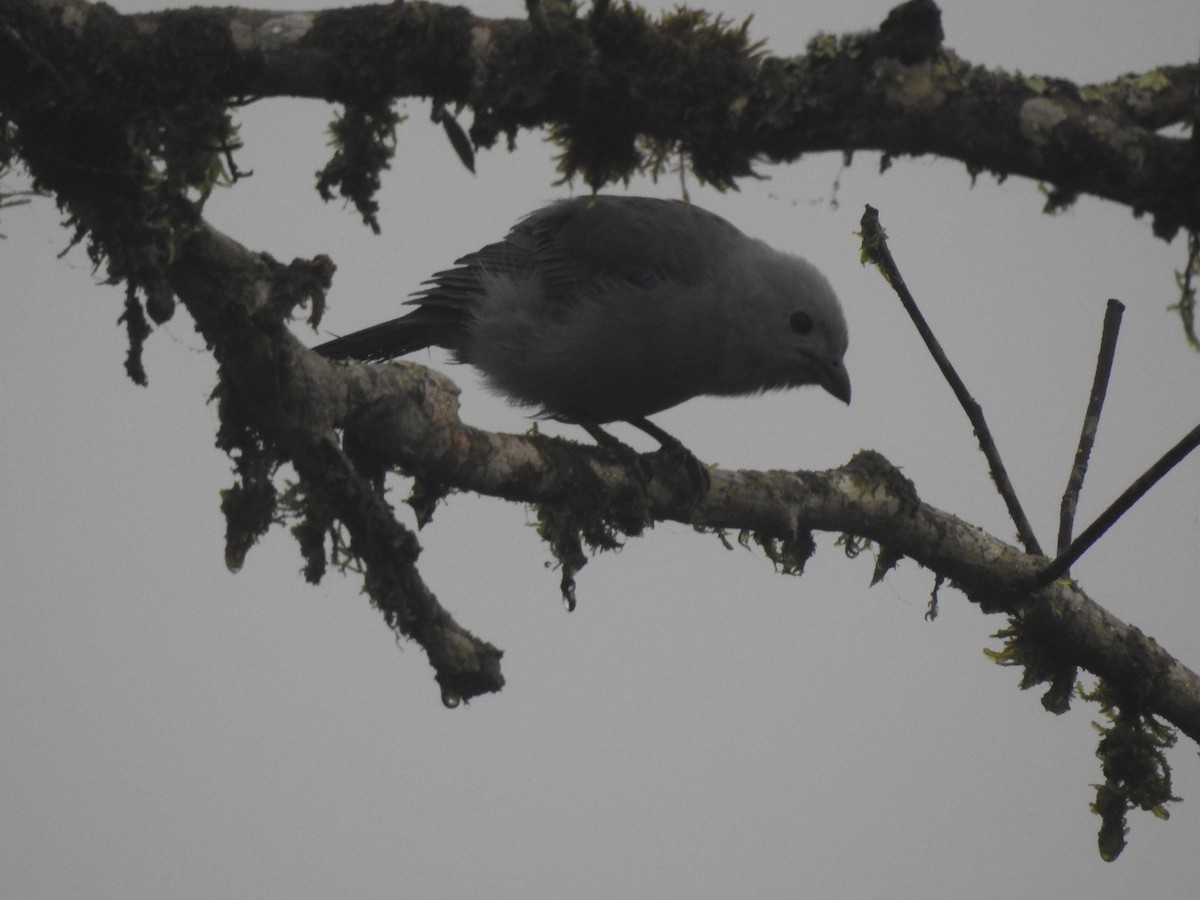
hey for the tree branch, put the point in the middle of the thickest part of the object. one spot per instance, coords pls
(280, 393)
(1091, 421)
(875, 249)
(623, 91)
(866, 497)
(406, 416)
(1131, 495)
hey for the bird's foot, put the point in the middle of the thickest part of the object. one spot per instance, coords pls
(664, 463)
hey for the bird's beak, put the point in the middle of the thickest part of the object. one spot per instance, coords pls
(835, 379)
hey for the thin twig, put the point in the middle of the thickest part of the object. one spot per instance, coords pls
(1187, 290)
(1119, 507)
(1091, 421)
(875, 249)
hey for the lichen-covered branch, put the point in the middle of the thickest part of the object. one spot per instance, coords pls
(622, 91)
(406, 416)
(409, 418)
(275, 405)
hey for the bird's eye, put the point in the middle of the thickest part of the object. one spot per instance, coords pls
(801, 322)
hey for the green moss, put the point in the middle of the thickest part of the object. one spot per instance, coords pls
(1132, 754)
(686, 74)
(147, 111)
(364, 141)
(789, 554)
(251, 504)
(1042, 665)
(582, 521)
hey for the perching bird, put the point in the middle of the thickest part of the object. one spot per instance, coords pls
(604, 309)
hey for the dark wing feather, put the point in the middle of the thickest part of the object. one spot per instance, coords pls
(387, 340)
(594, 241)
(572, 247)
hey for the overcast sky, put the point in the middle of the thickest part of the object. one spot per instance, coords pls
(700, 726)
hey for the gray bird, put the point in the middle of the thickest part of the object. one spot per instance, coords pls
(604, 309)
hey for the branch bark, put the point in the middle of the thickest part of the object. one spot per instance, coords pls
(622, 91)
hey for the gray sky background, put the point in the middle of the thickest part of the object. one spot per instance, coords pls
(700, 726)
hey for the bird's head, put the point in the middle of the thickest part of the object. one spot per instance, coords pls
(784, 325)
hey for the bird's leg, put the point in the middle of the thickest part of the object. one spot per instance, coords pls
(600, 436)
(620, 451)
(667, 440)
(672, 450)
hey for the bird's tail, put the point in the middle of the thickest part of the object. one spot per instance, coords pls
(424, 327)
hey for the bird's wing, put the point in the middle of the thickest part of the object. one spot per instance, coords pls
(574, 248)
(594, 241)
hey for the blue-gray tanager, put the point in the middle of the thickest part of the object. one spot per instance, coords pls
(608, 308)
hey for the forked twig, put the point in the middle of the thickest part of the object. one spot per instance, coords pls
(1119, 507)
(875, 250)
(1091, 421)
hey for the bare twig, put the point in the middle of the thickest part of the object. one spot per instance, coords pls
(1091, 421)
(1119, 507)
(1187, 290)
(875, 250)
